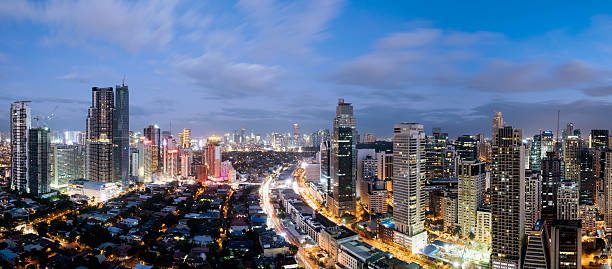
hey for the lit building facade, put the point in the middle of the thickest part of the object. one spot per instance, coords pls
(21, 122)
(100, 135)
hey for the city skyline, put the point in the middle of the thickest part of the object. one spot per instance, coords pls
(229, 64)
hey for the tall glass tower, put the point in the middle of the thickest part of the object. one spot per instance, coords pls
(121, 135)
(21, 121)
(343, 161)
(100, 135)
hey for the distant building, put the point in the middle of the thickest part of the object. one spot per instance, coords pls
(121, 135)
(68, 164)
(483, 224)
(370, 138)
(471, 189)
(533, 194)
(213, 156)
(93, 190)
(185, 139)
(599, 139)
(153, 135)
(568, 197)
(449, 203)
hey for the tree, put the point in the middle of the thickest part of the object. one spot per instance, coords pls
(42, 228)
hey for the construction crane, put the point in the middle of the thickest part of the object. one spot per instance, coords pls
(45, 120)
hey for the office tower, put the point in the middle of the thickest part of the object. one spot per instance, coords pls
(507, 197)
(186, 159)
(408, 183)
(343, 161)
(121, 135)
(296, 134)
(385, 169)
(588, 179)
(185, 139)
(484, 148)
(100, 135)
(466, 147)
(152, 133)
(599, 139)
(498, 122)
(537, 254)
(170, 149)
(568, 196)
(367, 170)
(547, 143)
(213, 157)
(566, 244)
(533, 203)
(450, 210)
(134, 163)
(608, 191)
(571, 156)
(67, 164)
(435, 159)
(535, 156)
(551, 177)
(21, 121)
(471, 188)
(146, 159)
(38, 160)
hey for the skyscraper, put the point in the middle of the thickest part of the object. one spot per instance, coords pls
(466, 147)
(568, 201)
(296, 134)
(471, 188)
(435, 159)
(38, 161)
(408, 183)
(213, 157)
(68, 164)
(343, 161)
(121, 135)
(537, 255)
(100, 135)
(535, 158)
(608, 191)
(547, 143)
(566, 244)
(152, 133)
(185, 139)
(571, 156)
(599, 139)
(21, 122)
(551, 178)
(498, 122)
(507, 197)
(533, 195)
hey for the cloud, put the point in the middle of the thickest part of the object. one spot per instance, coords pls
(224, 78)
(598, 91)
(131, 25)
(432, 59)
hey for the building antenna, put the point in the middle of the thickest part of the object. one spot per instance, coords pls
(558, 116)
(123, 81)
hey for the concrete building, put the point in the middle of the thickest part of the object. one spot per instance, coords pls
(568, 197)
(537, 254)
(93, 190)
(100, 135)
(533, 203)
(483, 224)
(21, 122)
(331, 238)
(450, 205)
(566, 244)
(471, 189)
(408, 182)
(507, 198)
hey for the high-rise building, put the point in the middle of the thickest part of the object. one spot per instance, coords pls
(21, 122)
(568, 197)
(551, 178)
(185, 139)
(471, 189)
(537, 254)
(100, 135)
(507, 197)
(535, 156)
(408, 183)
(436, 163)
(547, 143)
(466, 147)
(213, 157)
(533, 202)
(324, 156)
(343, 161)
(68, 165)
(572, 147)
(121, 135)
(38, 161)
(608, 191)
(498, 122)
(369, 138)
(152, 133)
(296, 135)
(599, 139)
(483, 224)
(566, 244)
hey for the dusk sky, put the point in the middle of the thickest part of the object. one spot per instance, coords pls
(213, 66)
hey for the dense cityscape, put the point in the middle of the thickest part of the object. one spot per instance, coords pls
(110, 197)
(310, 134)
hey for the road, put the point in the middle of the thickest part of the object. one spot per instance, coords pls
(264, 193)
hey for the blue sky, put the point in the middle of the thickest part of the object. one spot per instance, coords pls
(216, 65)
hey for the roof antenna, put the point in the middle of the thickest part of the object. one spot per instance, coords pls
(123, 81)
